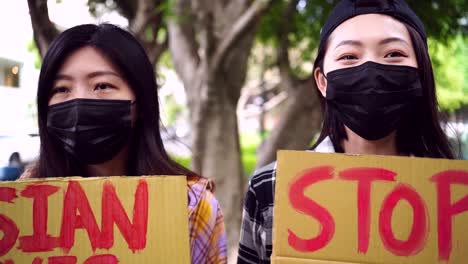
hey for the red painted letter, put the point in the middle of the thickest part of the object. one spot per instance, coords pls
(37, 260)
(76, 200)
(102, 259)
(365, 177)
(303, 204)
(7, 194)
(113, 212)
(419, 230)
(7, 226)
(446, 210)
(40, 240)
(62, 260)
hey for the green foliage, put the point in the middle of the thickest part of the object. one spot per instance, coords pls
(127, 8)
(442, 19)
(166, 8)
(249, 145)
(94, 6)
(184, 161)
(32, 48)
(450, 62)
(165, 60)
(172, 109)
(304, 27)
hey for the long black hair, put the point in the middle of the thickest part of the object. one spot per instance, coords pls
(420, 133)
(147, 155)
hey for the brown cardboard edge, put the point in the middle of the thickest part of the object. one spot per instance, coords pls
(80, 178)
(276, 218)
(290, 260)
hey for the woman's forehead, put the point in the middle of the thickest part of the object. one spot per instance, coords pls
(369, 28)
(88, 58)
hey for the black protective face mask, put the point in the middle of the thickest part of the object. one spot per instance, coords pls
(93, 131)
(371, 99)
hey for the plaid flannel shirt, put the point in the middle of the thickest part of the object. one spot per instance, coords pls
(255, 245)
(208, 242)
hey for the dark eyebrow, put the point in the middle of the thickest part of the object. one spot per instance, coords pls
(100, 73)
(63, 77)
(90, 75)
(382, 42)
(393, 39)
(349, 42)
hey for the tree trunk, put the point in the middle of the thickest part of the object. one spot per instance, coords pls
(216, 154)
(44, 30)
(301, 118)
(299, 122)
(215, 136)
(210, 43)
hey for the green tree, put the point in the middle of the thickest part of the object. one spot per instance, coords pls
(450, 62)
(145, 18)
(32, 48)
(210, 43)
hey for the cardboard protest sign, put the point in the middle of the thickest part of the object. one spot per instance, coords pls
(338, 208)
(94, 220)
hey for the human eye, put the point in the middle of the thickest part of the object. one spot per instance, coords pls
(103, 86)
(347, 57)
(396, 54)
(60, 90)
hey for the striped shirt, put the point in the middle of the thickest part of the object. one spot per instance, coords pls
(255, 245)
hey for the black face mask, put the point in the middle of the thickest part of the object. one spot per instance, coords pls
(371, 99)
(93, 131)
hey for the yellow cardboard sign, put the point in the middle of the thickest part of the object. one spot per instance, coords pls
(94, 220)
(338, 208)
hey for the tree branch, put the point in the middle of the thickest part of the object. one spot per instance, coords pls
(182, 42)
(144, 13)
(238, 28)
(44, 30)
(157, 49)
(284, 65)
(126, 8)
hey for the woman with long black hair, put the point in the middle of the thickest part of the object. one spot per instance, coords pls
(99, 116)
(376, 82)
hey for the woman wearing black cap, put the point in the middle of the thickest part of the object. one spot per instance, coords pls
(376, 80)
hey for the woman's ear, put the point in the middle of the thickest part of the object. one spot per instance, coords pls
(321, 81)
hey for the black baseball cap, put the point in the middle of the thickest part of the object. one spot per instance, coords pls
(347, 9)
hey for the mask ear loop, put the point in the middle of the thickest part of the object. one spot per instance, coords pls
(326, 78)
